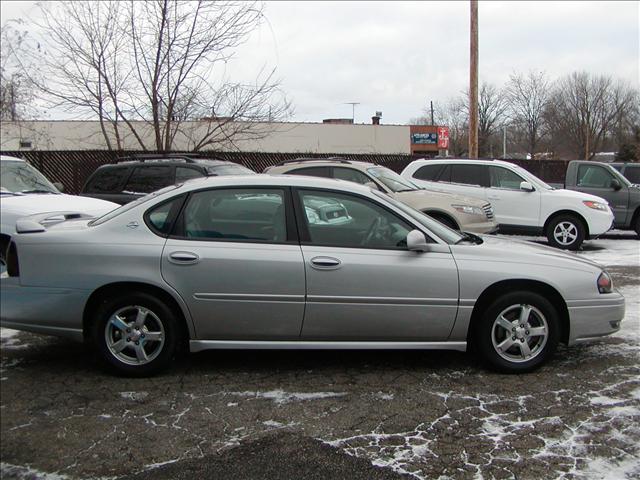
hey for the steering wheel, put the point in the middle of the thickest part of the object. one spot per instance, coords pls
(371, 232)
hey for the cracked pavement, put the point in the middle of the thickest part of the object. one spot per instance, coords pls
(325, 414)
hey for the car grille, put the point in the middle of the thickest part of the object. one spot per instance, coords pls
(488, 211)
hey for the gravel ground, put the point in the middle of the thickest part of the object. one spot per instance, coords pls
(356, 415)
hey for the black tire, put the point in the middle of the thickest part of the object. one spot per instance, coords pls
(158, 320)
(4, 247)
(636, 225)
(489, 334)
(566, 232)
(449, 222)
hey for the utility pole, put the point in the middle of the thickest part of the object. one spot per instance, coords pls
(473, 83)
(431, 112)
(504, 141)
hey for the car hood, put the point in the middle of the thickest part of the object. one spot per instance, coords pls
(17, 206)
(577, 195)
(428, 197)
(500, 249)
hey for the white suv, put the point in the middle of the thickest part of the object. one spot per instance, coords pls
(522, 202)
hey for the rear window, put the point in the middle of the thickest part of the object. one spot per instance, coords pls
(107, 180)
(128, 206)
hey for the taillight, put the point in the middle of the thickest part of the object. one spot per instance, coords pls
(13, 269)
(605, 285)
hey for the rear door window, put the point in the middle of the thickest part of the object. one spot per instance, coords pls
(468, 174)
(632, 172)
(312, 172)
(146, 179)
(239, 215)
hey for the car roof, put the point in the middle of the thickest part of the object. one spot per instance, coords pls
(319, 162)
(425, 161)
(8, 158)
(264, 180)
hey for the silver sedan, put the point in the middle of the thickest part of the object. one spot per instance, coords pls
(265, 262)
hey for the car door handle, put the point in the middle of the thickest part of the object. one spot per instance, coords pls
(325, 263)
(183, 258)
(493, 197)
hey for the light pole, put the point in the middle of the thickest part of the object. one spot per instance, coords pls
(473, 82)
(504, 141)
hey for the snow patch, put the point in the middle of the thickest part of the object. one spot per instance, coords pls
(8, 333)
(20, 472)
(280, 397)
(135, 396)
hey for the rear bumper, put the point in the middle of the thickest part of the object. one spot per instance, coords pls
(50, 311)
(591, 319)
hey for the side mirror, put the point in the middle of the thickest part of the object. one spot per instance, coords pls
(615, 184)
(526, 186)
(417, 242)
(59, 186)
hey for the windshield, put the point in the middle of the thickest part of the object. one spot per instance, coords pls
(444, 233)
(20, 177)
(230, 170)
(128, 206)
(391, 179)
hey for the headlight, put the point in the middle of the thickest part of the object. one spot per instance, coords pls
(469, 209)
(605, 284)
(596, 205)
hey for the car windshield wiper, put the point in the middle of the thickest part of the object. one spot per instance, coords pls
(470, 237)
(36, 190)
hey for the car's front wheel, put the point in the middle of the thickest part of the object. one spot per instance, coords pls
(135, 334)
(518, 332)
(566, 232)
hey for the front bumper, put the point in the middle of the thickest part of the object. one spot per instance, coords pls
(50, 311)
(590, 319)
(482, 227)
(599, 223)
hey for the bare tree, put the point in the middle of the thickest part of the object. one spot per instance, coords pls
(492, 107)
(528, 97)
(16, 91)
(585, 108)
(156, 66)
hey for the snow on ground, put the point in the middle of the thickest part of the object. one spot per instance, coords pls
(281, 397)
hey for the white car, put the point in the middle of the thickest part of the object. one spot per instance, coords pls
(523, 204)
(24, 191)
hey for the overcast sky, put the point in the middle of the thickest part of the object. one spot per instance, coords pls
(396, 56)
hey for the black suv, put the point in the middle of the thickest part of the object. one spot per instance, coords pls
(135, 176)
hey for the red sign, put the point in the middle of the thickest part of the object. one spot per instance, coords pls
(443, 137)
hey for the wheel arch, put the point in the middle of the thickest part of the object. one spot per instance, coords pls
(437, 214)
(508, 286)
(119, 288)
(585, 224)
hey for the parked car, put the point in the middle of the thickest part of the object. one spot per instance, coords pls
(455, 211)
(135, 176)
(523, 204)
(263, 262)
(631, 171)
(604, 180)
(25, 191)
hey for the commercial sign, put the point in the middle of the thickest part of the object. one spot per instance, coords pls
(443, 138)
(424, 138)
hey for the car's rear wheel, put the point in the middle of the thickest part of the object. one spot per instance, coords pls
(518, 332)
(566, 232)
(135, 334)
